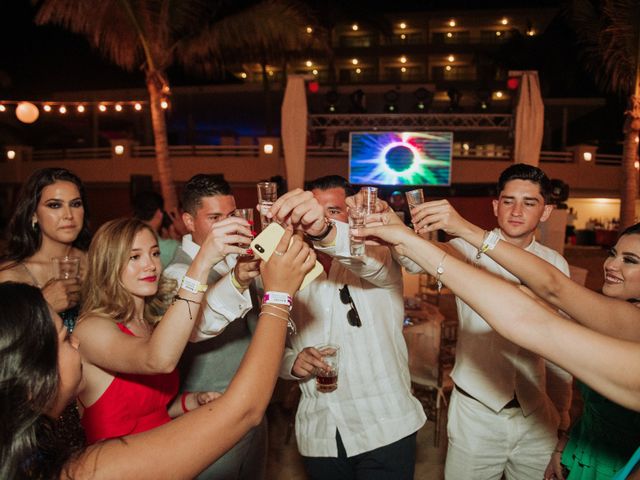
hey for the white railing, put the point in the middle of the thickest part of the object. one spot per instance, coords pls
(473, 152)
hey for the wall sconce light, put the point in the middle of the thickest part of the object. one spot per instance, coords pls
(118, 149)
(11, 154)
(267, 148)
(587, 156)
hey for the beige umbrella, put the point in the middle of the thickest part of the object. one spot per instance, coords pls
(294, 130)
(529, 120)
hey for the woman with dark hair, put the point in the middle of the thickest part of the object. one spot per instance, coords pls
(49, 220)
(33, 386)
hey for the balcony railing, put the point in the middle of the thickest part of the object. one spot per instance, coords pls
(494, 152)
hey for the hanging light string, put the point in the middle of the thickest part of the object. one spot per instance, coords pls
(63, 107)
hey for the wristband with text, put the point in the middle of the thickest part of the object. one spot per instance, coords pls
(194, 286)
(277, 298)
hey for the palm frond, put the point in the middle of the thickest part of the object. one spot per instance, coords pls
(609, 35)
(271, 30)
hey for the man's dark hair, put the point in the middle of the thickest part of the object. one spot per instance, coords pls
(331, 181)
(145, 205)
(202, 185)
(522, 171)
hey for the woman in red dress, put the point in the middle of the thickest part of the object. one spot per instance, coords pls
(128, 355)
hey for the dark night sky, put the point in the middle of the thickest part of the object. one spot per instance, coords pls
(37, 60)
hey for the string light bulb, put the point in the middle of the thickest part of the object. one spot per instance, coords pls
(138, 107)
(62, 109)
(80, 108)
(102, 107)
(164, 104)
(3, 108)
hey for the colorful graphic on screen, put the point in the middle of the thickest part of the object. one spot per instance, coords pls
(400, 158)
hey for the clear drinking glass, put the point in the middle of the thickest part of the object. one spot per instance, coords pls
(247, 214)
(357, 218)
(327, 380)
(369, 197)
(66, 267)
(267, 194)
(415, 197)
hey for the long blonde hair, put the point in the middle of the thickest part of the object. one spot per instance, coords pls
(103, 292)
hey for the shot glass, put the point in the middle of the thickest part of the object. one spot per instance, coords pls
(327, 380)
(65, 267)
(267, 194)
(415, 197)
(247, 214)
(369, 196)
(357, 219)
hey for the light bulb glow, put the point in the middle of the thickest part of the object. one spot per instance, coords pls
(102, 107)
(138, 107)
(80, 108)
(62, 109)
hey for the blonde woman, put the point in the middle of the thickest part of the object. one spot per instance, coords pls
(178, 449)
(129, 356)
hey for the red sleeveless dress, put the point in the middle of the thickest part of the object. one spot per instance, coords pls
(132, 403)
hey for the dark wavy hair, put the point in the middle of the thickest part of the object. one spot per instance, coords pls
(521, 171)
(28, 384)
(25, 240)
(331, 181)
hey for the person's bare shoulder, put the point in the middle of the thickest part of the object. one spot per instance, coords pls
(13, 272)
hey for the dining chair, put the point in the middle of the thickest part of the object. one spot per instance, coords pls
(431, 346)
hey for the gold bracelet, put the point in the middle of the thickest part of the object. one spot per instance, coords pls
(290, 325)
(282, 309)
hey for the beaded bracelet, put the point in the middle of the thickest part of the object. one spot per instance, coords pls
(189, 302)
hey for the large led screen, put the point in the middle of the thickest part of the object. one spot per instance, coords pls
(400, 158)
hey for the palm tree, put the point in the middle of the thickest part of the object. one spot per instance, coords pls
(609, 32)
(152, 35)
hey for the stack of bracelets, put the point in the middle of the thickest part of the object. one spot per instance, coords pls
(283, 302)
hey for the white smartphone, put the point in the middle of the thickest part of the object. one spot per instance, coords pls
(265, 243)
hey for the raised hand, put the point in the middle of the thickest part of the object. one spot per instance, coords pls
(246, 269)
(308, 361)
(231, 235)
(438, 215)
(290, 262)
(62, 294)
(300, 209)
(385, 229)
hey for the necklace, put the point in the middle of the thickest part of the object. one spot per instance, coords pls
(31, 275)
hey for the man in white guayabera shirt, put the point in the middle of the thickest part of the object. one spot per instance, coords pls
(366, 428)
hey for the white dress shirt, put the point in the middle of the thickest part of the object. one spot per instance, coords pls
(372, 406)
(223, 303)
